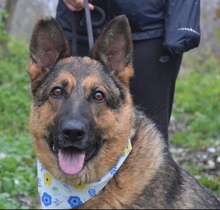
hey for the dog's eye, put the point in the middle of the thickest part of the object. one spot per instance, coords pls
(57, 91)
(99, 96)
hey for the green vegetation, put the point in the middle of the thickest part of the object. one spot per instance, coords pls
(196, 105)
(17, 159)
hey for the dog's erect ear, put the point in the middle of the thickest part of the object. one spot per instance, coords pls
(48, 44)
(114, 48)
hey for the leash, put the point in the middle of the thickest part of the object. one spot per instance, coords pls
(74, 34)
(89, 24)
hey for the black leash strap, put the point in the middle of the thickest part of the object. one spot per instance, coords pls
(89, 25)
(74, 34)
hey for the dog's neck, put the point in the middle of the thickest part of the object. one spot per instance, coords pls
(58, 195)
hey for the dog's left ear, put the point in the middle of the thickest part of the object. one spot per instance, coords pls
(48, 44)
(114, 48)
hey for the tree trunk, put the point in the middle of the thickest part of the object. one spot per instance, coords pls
(7, 19)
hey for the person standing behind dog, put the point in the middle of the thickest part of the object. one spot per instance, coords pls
(161, 32)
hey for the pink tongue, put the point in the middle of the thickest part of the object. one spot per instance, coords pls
(71, 162)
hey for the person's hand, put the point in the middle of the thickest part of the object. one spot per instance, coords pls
(76, 5)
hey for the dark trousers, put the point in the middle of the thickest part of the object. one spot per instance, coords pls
(153, 84)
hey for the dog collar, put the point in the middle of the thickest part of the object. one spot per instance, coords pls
(55, 194)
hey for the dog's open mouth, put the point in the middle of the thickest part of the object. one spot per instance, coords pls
(71, 159)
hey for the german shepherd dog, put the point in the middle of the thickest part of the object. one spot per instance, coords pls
(82, 116)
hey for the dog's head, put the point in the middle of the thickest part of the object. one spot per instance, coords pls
(81, 115)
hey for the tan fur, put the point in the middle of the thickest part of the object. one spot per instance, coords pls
(129, 184)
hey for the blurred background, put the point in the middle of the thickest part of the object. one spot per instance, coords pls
(194, 126)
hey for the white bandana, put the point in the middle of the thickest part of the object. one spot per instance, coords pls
(55, 194)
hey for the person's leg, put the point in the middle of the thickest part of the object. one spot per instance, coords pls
(82, 49)
(153, 84)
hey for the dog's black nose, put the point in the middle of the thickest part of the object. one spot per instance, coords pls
(73, 131)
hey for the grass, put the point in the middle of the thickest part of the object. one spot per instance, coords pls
(197, 107)
(17, 164)
(196, 104)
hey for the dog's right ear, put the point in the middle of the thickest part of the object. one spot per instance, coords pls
(114, 48)
(48, 45)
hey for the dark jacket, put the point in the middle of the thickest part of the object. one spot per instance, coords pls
(147, 18)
